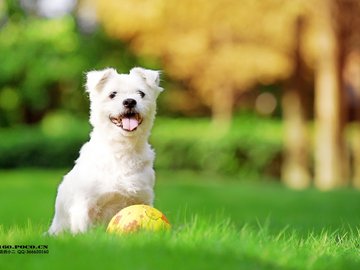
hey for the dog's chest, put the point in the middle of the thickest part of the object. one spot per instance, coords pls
(106, 171)
(126, 165)
(126, 172)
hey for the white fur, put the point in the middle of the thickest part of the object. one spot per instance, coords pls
(115, 167)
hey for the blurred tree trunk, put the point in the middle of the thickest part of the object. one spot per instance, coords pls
(349, 35)
(329, 138)
(355, 141)
(222, 107)
(352, 80)
(295, 170)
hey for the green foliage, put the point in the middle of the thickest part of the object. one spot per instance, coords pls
(214, 227)
(252, 146)
(43, 64)
(55, 143)
(36, 56)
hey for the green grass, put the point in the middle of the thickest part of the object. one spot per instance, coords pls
(217, 223)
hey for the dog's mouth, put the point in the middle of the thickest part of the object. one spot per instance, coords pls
(127, 121)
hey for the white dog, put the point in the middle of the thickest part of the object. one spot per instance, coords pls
(115, 167)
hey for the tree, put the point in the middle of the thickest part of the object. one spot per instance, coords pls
(347, 28)
(295, 168)
(43, 62)
(329, 133)
(221, 49)
(218, 48)
(352, 82)
(337, 36)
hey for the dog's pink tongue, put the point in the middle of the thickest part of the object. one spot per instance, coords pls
(130, 123)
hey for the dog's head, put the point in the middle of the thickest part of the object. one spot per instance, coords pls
(123, 103)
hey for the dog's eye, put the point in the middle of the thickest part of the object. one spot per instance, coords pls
(141, 93)
(112, 95)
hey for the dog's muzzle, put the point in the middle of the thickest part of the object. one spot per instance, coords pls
(128, 121)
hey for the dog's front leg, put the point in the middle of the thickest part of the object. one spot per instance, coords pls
(79, 217)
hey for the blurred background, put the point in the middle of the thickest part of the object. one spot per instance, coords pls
(258, 90)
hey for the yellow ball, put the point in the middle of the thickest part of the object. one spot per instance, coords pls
(137, 217)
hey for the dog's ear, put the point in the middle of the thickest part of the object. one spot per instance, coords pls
(151, 77)
(97, 79)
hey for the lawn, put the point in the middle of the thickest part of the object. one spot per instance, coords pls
(218, 223)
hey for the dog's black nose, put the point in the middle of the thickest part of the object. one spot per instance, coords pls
(129, 103)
